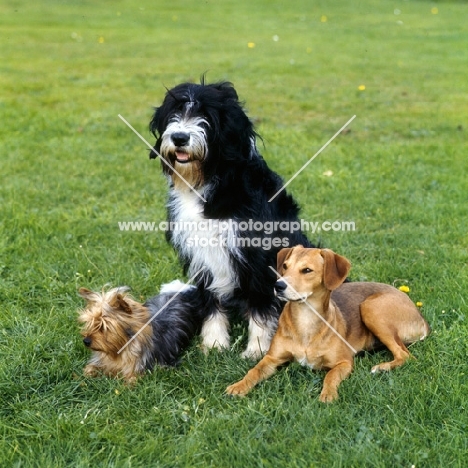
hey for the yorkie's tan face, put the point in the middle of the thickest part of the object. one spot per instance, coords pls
(114, 328)
(104, 334)
(106, 323)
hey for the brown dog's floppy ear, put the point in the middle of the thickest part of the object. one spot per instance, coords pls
(335, 270)
(283, 255)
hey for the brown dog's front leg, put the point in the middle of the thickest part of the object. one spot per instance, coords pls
(263, 370)
(333, 379)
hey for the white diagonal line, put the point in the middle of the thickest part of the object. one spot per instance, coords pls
(162, 159)
(312, 158)
(318, 315)
(159, 311)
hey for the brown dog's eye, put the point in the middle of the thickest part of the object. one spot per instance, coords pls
(306, 270)
(285, 267)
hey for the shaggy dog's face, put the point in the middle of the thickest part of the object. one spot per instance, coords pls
(184, 140)
(196, 127)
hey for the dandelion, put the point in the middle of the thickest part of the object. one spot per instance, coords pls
(101, 40)
(362, 87)
(251, 45)
(404, 288)
(116, 392)
(419, 304)
(434, 10)
(323, 19)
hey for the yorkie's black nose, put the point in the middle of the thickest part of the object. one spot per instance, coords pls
(180, 138)
(87, 341)
(280, 286)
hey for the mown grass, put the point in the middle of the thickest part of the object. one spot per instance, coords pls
(70, 170)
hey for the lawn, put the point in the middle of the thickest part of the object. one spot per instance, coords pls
(71, 170)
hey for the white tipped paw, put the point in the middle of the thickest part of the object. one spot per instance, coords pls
(215, 333)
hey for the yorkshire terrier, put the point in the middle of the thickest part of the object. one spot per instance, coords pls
(127, 337)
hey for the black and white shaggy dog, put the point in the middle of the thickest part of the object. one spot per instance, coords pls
(219, 194)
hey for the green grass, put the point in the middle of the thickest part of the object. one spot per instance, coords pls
(70, 170)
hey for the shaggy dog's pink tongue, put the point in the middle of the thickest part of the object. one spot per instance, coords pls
(181, 157)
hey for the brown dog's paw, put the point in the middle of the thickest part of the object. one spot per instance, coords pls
(328, 396)
(384, 367)
(237, 389)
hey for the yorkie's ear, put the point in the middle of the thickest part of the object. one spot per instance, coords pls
(86, 294)
(122, 304)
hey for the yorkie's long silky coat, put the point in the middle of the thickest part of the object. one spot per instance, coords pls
(127, 337)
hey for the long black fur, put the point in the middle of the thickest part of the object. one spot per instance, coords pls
(237, 185)
(174, 325)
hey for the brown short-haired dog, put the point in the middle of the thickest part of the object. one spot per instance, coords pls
(326, 321)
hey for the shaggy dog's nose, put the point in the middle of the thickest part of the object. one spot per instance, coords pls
(87, 341)
(280, 286)
(180, 138)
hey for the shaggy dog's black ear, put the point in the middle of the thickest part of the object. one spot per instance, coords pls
(225, 87)
(154, 128)
(227, 90)
(154, 124)
(159, 121)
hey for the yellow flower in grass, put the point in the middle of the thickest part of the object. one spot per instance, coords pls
(251, 45)
(404, 288)
(419, 304)
(362, 87)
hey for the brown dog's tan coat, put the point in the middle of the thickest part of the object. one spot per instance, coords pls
(326, 322)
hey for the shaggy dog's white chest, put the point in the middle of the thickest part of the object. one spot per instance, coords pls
(209, 244)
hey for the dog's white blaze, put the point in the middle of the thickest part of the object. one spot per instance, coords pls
(207, 248)
(260, 335)
(215, 331)
(197, 145)
(291, 295)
